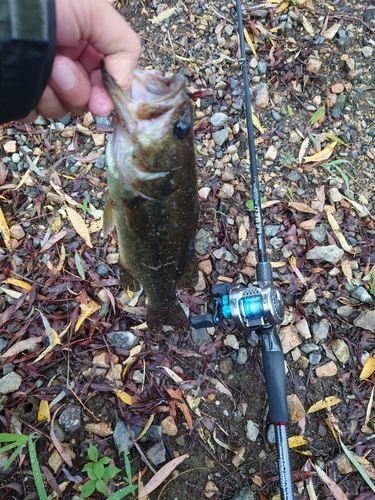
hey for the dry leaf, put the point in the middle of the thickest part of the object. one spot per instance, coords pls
(161, 475)
(324, 403)
(334, 488)
(124, 397)
(79, 225)
(249, 41)
(172, 374)
(23, 345)
(337, 231)
(324, 154)
(59, 447)
(210, 489)
(4, 229)
(44, 414)
(308, 26)
(87, 310)
(347, 270)
(242, 234)
(303, 149)
(177, 396)
(302, 207)
(308, 225)
(257, 124)
(295, 441)
(368, 369)
(163, 15)
(19, 283)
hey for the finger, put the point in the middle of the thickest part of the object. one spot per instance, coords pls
(70, 83)
(50, 105)
(100, 103)
(103, 28)
(32, 116)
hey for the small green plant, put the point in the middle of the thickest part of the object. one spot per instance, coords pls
(99, 473)
(250, 204)
(287, 158)
(335, 164)
(130, 488)
(85, 206)
(16, 443)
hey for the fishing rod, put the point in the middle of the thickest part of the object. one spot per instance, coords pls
(258, 306)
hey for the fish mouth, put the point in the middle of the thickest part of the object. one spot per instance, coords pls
(151, 96)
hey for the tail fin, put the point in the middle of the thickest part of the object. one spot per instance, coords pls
(173, 316)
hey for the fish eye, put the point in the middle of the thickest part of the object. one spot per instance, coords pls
(182, 129)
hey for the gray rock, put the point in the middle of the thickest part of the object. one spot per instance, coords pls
(361, 294)
(153, 434)
(252, 430)
(253, 338)
(71, 419)
(203, 240)
(10, 383)
(103, 121)
(345, 311)
(315, 358)
(339, 106)
(102, 270)
(262, 67)
(308, 348)
(320, 330)
(219, 119)
(319, 233)
(65, 119)
(271, 229)
(271, 435)
(100, 162)
(220, 136)
(3, 344)
(276, 116)
(367, 51)
(242, 356)
(276, 243)
(329, 253)
(125, 340)
(225, 366)
(341, 350)
(366, 321)
(303, 328)
(262, 97)
(59, 431)
(231, 341)
(40, 121)
(243, 494)
(200, 335)
(156, 454)
(122, 439)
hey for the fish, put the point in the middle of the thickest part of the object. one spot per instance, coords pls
(153, 195)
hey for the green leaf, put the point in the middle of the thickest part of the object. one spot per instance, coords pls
(92, 453)
(99, 470)
(221, 443)
(81, 272)
(8, 447)
(373, 284)
(313, 140)
(290, 110)
(88, 466)
(358, 466)
(6, 438)
(92, 475)
(317, 115)
(110, 472)
(336, 139)
(100, 486)
(128, 468)
(88, 488)
(120, 494)
(105, 460)
(250, 205)
(38, 478)
(13, 456)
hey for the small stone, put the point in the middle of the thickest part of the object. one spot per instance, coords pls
(101, 360)
(168, 426)
(16, 232)
(103, 296)
(367, 51)
(338, 88)
(56, 462)
(252, 430)
(319, 233)
(271, 153)
(341, 351)
(220, 136)
(99, 428)
(71, 419)
(320, 330)
(330, 33)
(40, 121)
(350, 62)
(262, 97)
(124, 340)
(314, 358)
(262, 67)
(308, 348)
(112, 258)
(329, 253)
(271, 230)
(210, 489)
(343, 465)
(204, 192)
(303, 329)
(201, 284)
(88, 119)
(3, 344)
(243, 494)
(231, 341)
(219, 119)
(327, 370)
(99, 139)
(242, 356)
(361, 294)
(10, 383)
(345, 311)
(352, 75)
(314, 64)
(227, 176)
(199, 336)
(10, 147)
(330, 100)
(309, 297)
(253, 62)
(366, 321)
(226, 191)
(289, 338)
(295, 408)
(335, 194)
(156, 454)
(206, 267)
(225, 366)
(122, 439)
(102, 270)
(16, 158)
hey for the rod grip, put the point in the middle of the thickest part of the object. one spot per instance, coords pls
(274, 373)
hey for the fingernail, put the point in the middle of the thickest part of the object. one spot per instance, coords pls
(63, 76)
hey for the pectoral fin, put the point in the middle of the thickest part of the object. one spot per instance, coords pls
(108, 216)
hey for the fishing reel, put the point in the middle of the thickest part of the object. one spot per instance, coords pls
(252, 308)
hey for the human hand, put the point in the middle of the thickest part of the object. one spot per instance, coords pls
(87, 30)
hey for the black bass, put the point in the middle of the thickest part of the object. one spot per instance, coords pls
(152, 182)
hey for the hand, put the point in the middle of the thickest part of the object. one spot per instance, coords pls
(87, 30)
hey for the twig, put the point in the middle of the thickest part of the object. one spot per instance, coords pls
(143, 456)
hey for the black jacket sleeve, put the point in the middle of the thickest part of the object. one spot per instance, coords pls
(27, 51)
